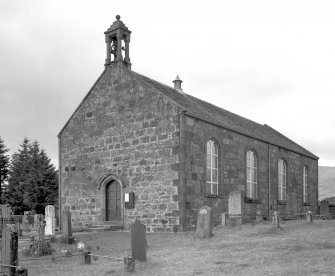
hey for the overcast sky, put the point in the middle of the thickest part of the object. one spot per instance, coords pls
(270, 61)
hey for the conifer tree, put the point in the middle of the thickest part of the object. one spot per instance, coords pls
(4, 166)
(32, 183)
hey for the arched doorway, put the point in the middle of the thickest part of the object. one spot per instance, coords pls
(113, 201)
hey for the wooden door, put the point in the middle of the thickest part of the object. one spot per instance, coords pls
(113, 201)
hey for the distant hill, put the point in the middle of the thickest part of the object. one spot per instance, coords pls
(326, 182)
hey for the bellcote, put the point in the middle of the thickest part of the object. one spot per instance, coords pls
(117, 39)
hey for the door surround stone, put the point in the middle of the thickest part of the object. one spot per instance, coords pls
(102, 187)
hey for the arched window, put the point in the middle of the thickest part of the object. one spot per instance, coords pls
(282, 169)
(212, 173)
(305, 185)
(251, 174)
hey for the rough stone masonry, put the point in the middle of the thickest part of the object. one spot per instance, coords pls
(131, 134)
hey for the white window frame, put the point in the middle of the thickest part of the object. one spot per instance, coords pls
(251, 171)
(212, 153)
(282, 179)
(305, 185)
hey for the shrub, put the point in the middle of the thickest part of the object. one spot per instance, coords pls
(37, 248)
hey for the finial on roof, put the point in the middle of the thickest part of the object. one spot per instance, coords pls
(177, 84)
(118, 17)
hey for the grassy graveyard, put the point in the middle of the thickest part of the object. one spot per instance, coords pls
(297, 248)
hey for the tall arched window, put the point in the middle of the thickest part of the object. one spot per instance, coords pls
(282, 169)
(251, 174)
(305, 185)
(212, 174)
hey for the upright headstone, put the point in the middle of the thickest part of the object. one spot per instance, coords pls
(291, 203)
(204, 226)
(235, 207)
(309, 217)
(36, 221)
(67, 228)
(49, 220)
(275, 219)
(25, 223)
(138, 241)
(224, 219)
(9, 251)
(259, 216)
(6, 213)
(324, 207)
(41, 235)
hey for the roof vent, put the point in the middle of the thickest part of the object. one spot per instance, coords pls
(177, 84)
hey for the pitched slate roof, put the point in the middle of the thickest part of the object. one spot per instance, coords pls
(208, 112)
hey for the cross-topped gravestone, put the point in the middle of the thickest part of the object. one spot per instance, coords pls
(204, 226)
(50, 220)
(138, 241)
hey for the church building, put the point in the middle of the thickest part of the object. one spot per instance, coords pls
(136, 148)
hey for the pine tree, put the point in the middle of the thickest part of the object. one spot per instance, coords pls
(4, 166)
(32, 183)
(19, 169)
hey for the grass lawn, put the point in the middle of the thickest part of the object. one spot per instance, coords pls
(297, 248)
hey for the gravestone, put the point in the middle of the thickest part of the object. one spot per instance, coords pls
(235, 207)
(9, 251)
(25, 223)
(67, 227)
(309, 217)
(224, 219)
(6, 211)
(291, 204)
(138, 241)
(275, 219)
(36, 221)
(204, 226)
(259, 216)
(41, 235)
(324, 207)
(50, 220)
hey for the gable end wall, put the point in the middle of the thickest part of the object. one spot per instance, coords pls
(127, 130)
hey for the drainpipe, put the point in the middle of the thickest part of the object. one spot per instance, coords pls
(269, 184)
(59, 187)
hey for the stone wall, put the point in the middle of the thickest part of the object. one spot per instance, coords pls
(232, 171)
(126, 129)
